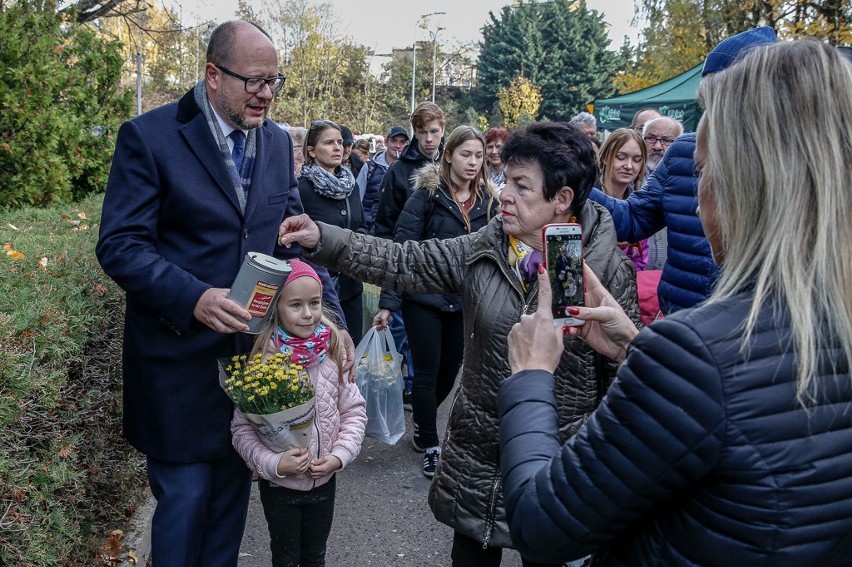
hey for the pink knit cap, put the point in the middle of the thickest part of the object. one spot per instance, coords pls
(301, 269)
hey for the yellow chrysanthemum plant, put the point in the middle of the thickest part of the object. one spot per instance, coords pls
(276, 396)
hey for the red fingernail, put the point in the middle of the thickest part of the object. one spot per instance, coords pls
(573, 310)
(541, 268)
(565, 329)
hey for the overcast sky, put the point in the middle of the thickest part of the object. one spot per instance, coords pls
(383, 25)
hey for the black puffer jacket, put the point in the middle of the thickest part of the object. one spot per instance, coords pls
(698, 455)
(397, 186)
(466, 491)
(431, 212)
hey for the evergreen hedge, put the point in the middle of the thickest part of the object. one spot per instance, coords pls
(60, 106)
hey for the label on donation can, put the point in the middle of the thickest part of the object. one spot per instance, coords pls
(257, 285)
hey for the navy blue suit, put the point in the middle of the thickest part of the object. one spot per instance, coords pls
(171, 229)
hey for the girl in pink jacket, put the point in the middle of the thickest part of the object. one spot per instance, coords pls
(297, 486)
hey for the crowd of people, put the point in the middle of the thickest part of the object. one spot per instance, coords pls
(716, 435)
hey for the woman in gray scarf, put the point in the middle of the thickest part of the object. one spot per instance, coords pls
(326, 189)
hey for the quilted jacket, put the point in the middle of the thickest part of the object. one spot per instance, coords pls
(698, 455)
(668, 200)
(466, 491)
(338, 429)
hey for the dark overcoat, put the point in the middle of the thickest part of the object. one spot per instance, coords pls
(171, 229)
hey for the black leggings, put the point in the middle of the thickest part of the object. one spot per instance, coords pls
(436, 339)
(467, 552)
(299, 523)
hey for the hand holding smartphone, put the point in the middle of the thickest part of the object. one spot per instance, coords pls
(563, 259)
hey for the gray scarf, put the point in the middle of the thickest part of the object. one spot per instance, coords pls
(337, 186)
(240, 179)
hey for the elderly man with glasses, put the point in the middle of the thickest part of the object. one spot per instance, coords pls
(659, 135)
(195, 186)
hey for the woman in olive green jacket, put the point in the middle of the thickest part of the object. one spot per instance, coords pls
(494, 271)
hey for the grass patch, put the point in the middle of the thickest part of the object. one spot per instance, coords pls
(66, 476)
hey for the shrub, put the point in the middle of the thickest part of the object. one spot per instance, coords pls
(60, 106)
(66, 476)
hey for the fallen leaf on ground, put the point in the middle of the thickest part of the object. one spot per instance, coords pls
(13, 227)
(7, 246)
(43, 263)
(114, 542)
(132, 557)
(15, 255)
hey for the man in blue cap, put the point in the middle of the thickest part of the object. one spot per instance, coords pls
(669, 200)
(370, 178)
(369, 181)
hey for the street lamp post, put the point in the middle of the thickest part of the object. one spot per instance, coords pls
(414, 57)
(434, 59)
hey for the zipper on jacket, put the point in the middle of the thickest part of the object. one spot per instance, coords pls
(490, 516)
(512, 278)
(319, 441)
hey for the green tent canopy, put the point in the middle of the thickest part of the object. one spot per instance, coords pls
(674, 98)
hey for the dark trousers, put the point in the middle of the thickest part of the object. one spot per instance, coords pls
(299, 523)
(201, 512)
(437, 345)
(353, 312)
(468, 552)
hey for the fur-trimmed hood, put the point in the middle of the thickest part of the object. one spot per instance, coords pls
(428, 178)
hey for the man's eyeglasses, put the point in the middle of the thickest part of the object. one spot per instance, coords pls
(255, 84)
(651, 140)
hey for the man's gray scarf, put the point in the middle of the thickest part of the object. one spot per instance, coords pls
(334, 186)
(240, 179)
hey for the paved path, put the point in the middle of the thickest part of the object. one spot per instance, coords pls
(381, 516)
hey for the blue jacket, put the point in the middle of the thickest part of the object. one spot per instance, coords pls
(669, 200)
(171, 229)
(699, 453)
(369, 180)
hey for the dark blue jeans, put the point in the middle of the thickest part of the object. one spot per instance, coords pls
(400, 339)
(299, 523)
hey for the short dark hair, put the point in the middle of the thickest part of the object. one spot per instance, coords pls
(224, 38)
(566, 157)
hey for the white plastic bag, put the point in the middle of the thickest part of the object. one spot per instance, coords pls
(378, 374)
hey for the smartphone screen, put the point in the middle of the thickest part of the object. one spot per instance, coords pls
(564, 247)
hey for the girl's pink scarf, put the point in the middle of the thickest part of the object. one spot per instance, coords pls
(305, 352)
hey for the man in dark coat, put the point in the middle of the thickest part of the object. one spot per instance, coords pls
(428, 123)
(195, 185)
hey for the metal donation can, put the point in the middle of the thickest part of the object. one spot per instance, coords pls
(257, 285)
